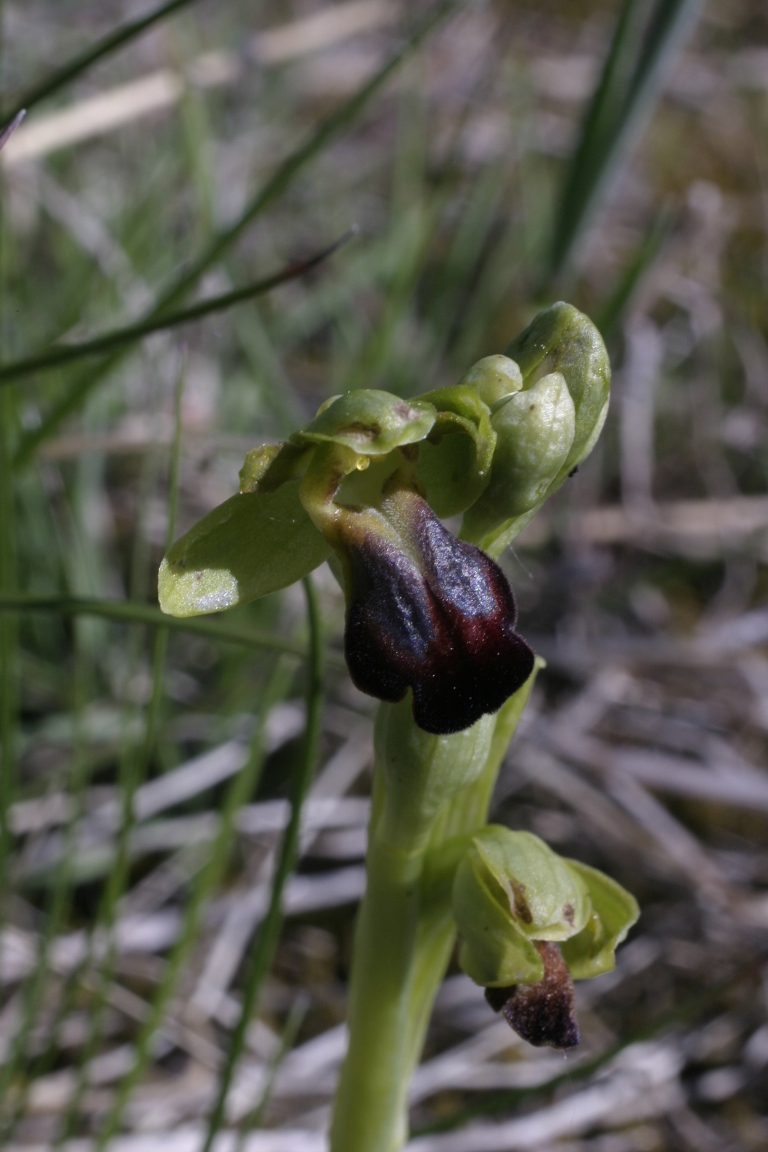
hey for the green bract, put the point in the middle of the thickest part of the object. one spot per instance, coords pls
(423, 771)
(511, 890)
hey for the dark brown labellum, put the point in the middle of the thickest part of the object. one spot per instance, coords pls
(436, 615)
(543, 1013)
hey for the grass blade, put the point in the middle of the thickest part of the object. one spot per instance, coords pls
(263, 953)
(124, 611)
(9, 130)
(281, 179)
(242, 788)
(614, 306)
(65, 354)
(83, 60)
(629, 86)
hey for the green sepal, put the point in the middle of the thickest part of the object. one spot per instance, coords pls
(369, 422)
(454, 463)
(548, 899)
(252, 544)
(614, 911)
(510, 890)
(562, 339)
(535, 430)
(493, 951)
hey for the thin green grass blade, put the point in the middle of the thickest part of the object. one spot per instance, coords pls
(135, 764)
(9, 130)
(613, 309)
(84, 60)
(9, 654)
(287, 1039)
(281, 179)
(124, 611)
(629, 87)
(208, 881)
(263, 954)
(56, 357)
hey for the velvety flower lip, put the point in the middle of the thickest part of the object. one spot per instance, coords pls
(432, 613)
(542, 1013)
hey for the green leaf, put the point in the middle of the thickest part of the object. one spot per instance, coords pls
(369, 422)
(614, 911)
(252, 544)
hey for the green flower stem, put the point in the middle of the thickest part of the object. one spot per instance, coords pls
(405, 931)
(370, 1112)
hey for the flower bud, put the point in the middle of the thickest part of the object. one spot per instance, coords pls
(546, 424)
(562, 339)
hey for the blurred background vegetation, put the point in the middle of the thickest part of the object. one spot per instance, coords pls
(494, 156)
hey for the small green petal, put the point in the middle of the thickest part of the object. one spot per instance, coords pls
(454, 463)
(268, 467)
(494, 377)
(614, 911)
(257, 463)
(252, 544)
(370, 422)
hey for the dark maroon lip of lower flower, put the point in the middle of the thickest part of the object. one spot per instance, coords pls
(543, 1013)
(442, 624)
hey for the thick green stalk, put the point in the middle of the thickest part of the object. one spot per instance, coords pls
(405, 931)
(370, 1111)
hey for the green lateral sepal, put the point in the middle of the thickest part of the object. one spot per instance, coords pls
(252, 544)
(614, 910)
(534, 434)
